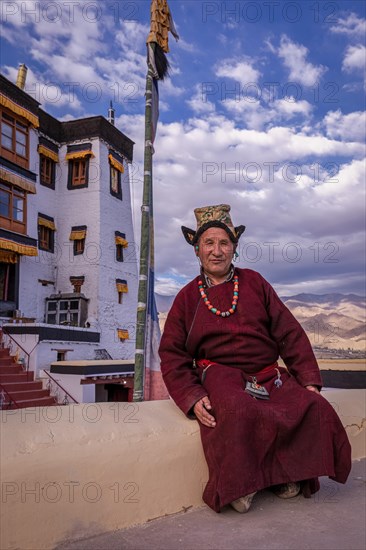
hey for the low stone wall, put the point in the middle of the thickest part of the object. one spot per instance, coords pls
(76, 471)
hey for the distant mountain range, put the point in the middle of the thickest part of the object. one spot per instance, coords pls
(336, 321)
(333, 321)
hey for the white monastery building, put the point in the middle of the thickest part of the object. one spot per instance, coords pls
(68, 266)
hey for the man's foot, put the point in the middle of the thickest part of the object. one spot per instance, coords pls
(242, 504)
(287, 490)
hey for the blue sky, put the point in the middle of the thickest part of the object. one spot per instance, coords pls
(264, 110)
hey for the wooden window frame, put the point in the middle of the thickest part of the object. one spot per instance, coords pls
(46, 239)
(114, 173)
(47, 171)
(79, 247)
(61, 355)
(9, 284)
(81, 179)
(9, 222)
(18, 127)
(119, 253)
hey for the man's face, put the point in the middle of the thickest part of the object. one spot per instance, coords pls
(215, 250)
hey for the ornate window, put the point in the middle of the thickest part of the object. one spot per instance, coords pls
(47, 166)
(13, 208)
(14, 139)
(122, 288)
(7, 282)
(47, 171)
(79, 172)
(66, 309)
(46, 233)
(121, 243)
(78, 157)
(116, 169)
(78, 235)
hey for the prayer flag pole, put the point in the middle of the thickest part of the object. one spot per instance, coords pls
(138, 392)
(157, 46)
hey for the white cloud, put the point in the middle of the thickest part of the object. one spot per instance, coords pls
(349, 127)
(350, 25)
(183, 45)
(352, 87)
(280, 183)
(295, 59)
(259, 172)
(132, 32)
(355, 58)
(46, 93)
(74, 52)
(241, 71)
(270, 46)
(168, 286)
(199, 103)
(343, 196)
(257, 115)
(289, 107)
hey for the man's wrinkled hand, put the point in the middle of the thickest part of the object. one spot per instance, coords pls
(201, 409)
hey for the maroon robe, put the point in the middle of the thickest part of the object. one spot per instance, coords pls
(295, 435)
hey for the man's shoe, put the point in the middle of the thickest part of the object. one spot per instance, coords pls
(287, 490)
(242, 504)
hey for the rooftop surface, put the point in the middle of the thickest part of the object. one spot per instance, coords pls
(333, 519)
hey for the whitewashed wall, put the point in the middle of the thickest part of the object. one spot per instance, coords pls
(116, 215)
(31, 292)
(103, 214)
(43, 353)
(82, 393)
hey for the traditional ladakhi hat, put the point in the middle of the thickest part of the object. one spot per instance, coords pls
(213, 216)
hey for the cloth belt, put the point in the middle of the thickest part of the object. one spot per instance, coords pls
(206, 363)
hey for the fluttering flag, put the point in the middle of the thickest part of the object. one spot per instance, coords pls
(160, 25)
(157, 46)
(148, 383)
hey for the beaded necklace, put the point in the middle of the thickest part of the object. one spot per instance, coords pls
(213, 309)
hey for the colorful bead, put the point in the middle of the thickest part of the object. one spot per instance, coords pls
(216, 311)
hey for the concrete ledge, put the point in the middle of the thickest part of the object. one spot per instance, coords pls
(77, 471)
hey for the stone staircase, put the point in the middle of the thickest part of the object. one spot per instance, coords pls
(21, 390)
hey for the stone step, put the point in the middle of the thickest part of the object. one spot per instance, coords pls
(11, 369)
(6, 361)
(27, 395)
(22, 386)
(41, 402)
(19, 377)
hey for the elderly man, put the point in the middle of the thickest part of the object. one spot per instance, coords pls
(261, 425)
